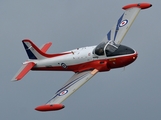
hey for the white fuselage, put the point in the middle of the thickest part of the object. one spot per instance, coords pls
(77, 56)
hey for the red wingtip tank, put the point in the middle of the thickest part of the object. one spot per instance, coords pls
(54, 107)
(139, 5)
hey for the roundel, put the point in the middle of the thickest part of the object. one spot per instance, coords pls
(63, 92)
(64, 65)
(123, 23)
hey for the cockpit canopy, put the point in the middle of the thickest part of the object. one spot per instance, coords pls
(112, 49)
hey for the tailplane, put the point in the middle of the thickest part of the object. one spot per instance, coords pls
(26, 67)
(45, 47)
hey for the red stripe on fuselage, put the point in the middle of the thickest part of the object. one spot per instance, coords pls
(98, 64)
(101, 65)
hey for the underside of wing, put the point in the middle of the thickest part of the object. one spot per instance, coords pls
(73, 84)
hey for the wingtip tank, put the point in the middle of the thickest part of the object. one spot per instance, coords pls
(139, 5)
(54, 107)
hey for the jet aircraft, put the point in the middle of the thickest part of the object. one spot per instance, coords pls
(85, 62)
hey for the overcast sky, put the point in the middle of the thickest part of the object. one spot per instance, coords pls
(130, 94)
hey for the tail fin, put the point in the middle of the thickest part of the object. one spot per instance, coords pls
(34, 52)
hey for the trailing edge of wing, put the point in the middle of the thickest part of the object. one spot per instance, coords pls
(73, 84)
(23, 71)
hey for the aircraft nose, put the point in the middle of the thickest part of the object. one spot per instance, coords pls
(130, 59)
(122, 61)
(135, 56)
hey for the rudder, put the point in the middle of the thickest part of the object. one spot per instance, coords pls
(32, 50)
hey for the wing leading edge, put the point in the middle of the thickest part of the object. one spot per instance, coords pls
(73, 84)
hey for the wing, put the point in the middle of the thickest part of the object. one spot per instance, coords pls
(74, 83)
(123, 24)
(117, 33)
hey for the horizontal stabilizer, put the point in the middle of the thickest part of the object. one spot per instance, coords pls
(23, 71)
(45, 47)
